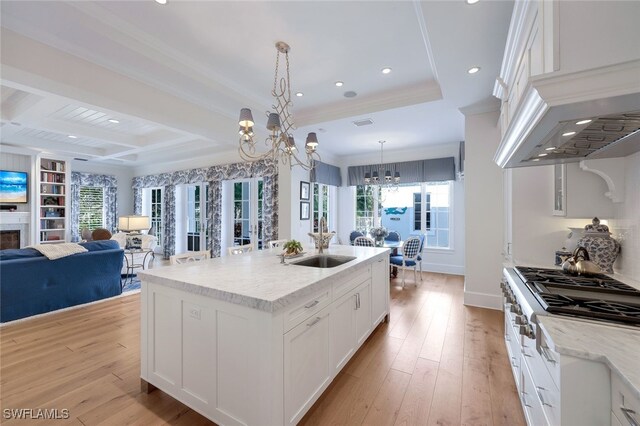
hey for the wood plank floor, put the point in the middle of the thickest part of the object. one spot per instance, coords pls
(436, 363)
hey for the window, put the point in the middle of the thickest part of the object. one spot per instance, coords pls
(367, 212)
(91, 208)
(320, 204)
(156, 213)
(409, 209)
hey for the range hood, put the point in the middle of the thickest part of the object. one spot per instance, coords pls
(570, 117)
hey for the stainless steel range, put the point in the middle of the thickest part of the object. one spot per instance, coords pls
(530, 293)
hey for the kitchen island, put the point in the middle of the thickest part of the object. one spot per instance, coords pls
(246, 340)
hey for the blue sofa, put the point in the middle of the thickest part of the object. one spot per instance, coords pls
(31, 284)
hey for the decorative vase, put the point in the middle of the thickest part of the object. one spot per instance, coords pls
(602, 249)
(380, 241)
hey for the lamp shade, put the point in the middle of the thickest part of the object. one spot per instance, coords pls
(273, 122)
(133, 223)
(312, 141)
(246, 118)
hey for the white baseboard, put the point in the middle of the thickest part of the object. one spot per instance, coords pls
(442, 268)
(483, 300)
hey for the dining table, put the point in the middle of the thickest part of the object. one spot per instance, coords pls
(394, 246)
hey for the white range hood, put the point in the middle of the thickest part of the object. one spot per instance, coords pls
(569, 117)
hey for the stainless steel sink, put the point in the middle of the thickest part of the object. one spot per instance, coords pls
(324, 261)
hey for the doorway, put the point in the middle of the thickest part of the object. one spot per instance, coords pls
(243, 215)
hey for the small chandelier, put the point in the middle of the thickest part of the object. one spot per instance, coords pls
(374, 178)
(280, 143)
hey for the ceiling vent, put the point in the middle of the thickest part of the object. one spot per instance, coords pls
(365, 122)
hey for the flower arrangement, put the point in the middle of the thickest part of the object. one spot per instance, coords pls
(379, 233)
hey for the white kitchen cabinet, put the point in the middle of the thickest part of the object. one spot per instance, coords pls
(379, 290)
(625, 404)
(343, 321)
(307, 370)
(363, 325)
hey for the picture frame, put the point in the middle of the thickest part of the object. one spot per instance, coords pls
(305, 210)
(560, 190)
(305, 189)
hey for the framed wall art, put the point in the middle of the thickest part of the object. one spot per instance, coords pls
(304, 190)
(304, 210)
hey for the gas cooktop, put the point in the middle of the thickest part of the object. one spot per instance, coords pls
(595, 297)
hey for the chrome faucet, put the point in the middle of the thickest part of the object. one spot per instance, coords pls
(321, 225)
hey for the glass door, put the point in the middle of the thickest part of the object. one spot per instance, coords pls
(248, 199)
(195, 232)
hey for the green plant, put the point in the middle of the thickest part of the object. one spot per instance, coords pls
(292, 247)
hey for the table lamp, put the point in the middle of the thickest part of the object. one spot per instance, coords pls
(133, 224)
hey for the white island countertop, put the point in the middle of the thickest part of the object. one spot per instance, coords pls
(257, 279)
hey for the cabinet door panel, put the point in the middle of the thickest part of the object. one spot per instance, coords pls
(343, 332)
(363, 313)
(307, 370)
(379, 290)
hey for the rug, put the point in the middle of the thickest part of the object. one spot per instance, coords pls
(131, 284)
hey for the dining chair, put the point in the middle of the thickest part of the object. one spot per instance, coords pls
(240, 249)
(353, 235)
(408, 258)
(393, 236)
(364, 242)
(276, 243)
(422, 239)
(190, 256)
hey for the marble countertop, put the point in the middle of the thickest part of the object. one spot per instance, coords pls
(257, 279)
(616, 346)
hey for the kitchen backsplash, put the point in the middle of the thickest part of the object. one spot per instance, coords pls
(626, 224)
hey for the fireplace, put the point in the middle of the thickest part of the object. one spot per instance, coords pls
(9, 239)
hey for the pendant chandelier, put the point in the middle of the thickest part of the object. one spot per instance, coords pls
(373, 178)
(280, 143)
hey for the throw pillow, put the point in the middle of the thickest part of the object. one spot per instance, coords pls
(134, 242)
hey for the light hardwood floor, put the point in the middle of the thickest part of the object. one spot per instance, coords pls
(437, 362)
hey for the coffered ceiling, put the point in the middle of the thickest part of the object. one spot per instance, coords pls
(174, 77)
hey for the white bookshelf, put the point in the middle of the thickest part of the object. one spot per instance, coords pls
(53, 200)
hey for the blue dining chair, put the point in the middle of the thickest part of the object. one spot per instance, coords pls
(353, 235)
(408, 258)
(364, 242)
(393, 236)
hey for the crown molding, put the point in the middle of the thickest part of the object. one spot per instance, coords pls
(481, 107)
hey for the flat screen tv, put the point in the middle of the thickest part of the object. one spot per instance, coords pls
(14, 187)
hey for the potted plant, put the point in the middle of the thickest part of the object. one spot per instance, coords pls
(379, 234)
(292, 247)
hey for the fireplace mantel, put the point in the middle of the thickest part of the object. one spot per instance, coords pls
(7, 218)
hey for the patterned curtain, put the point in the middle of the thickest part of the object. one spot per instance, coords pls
(109, 184)
(214, 218)
(169, 221)
(214, 175)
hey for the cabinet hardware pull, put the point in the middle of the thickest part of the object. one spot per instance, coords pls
(526, 354)
(629, 415)
(314, 322)
(538, 389)
(507, 337)
(357, 300)
(545, 354)
(513, 363)
(312, 304)
(524, 400)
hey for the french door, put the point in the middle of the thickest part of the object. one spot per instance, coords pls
(193, 235)
(246, 213)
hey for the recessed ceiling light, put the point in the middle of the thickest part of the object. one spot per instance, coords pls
(536, 159)
(299, 94)
(161, 1)
(472, 1)
(569, 134)
(339, 83)
(544, 154)
(386, 70)
(113, 120)
(583, 122)
(473, 70)
(551, 148)
(73, 137)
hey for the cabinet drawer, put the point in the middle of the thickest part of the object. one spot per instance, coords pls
(625, 404)
(550, 358)
(530, 401)
(351, 281)
(513, 351)
(301, 311)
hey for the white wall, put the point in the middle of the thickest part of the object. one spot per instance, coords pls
(626, 225)
(484, 212)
